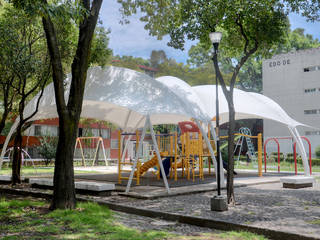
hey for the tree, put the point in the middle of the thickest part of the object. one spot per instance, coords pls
(157, 57)
(26, 64)
(250, 75)
(100, 53)
(69, 112)
(248, 27)
(307, 8)
(85, 13)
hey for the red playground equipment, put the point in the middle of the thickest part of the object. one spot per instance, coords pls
(276, 140)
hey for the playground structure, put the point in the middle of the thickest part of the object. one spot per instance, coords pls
(136, 105)
(90, 143)
(276, 140)
(245, 136)
(187, 152)
(24, 154)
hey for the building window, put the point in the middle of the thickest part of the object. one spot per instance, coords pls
(37, 130)
(310, 90)
(105, 133)
(312, 111)
(308, 133)
(114, 144)
(311, 69)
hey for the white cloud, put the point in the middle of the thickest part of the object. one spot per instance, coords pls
(132, 39)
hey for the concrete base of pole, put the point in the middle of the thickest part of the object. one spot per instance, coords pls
(219, 203)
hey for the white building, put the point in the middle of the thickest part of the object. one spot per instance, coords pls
(293, 81)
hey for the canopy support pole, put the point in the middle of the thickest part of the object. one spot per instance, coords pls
(137, 155)
(164, 177)
(295, 134)
(5, 145)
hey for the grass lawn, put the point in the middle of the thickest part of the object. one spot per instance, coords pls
(284, 166)
(29, 219)
(28, 171)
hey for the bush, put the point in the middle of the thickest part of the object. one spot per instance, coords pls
(274, 156)
(47, 148)
(291, 159)
(317, 151)
(315, 161)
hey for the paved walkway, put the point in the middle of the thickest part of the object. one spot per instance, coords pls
(268, 206)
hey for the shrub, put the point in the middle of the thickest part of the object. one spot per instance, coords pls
(317, 151)
(47, 148)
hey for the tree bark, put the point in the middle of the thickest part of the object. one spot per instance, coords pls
(69, 114)
(16, 161)
(230, 169)
(64, 191)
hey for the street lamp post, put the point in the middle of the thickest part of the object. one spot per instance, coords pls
(218, 203)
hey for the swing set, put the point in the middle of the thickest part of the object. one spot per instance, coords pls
(276, 140)
(90, 143)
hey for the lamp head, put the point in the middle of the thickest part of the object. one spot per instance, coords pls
(215, 37)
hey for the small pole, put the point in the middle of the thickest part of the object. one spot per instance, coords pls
(260, 155)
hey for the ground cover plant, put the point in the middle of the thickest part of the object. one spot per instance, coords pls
(30, 219)
(273, 166)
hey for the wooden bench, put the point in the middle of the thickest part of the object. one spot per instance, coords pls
(82, 187)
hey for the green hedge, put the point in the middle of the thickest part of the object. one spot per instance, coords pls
(315, 161)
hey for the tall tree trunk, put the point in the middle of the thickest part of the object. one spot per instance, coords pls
(3, 119)
(230, 170)
(16, 161)
(69, 113)
(64, 191)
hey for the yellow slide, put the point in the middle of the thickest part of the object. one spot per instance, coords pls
(149, 164)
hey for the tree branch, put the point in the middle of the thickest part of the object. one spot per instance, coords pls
(57, 70)
(81, 60)
(238, 22)
(241, 62)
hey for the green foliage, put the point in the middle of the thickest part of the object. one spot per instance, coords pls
(250, 75)
(307, 8)
(100, 53)
(129, 62)
(48, 148)
(317, 151)
(157, 57)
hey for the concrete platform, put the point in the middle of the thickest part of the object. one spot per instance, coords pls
(152, 192)
(82, 187)
(6, 179)
(296, 182)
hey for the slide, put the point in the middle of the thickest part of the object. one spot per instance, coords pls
(153, 162)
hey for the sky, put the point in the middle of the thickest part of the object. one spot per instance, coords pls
(133, 40)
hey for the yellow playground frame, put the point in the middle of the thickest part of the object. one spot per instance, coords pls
(189, 157)
(99, 143)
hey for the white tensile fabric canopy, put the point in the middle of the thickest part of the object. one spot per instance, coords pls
(131, 99)
(127, 98)
(123, 97)
(247, 105)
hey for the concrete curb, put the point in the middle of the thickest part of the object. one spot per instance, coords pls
(197, 221)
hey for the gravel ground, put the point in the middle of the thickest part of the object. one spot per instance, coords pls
(147, 224)
(269, 206)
